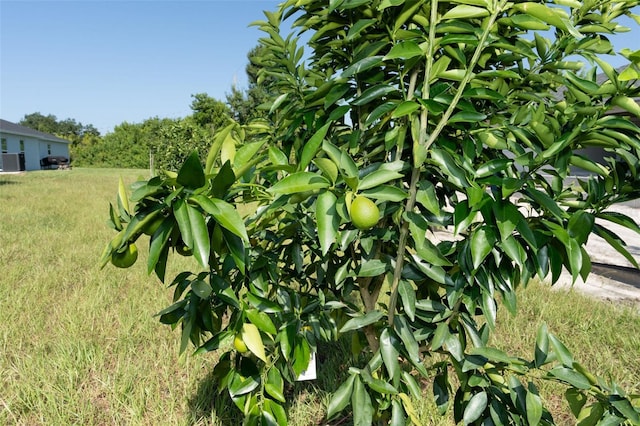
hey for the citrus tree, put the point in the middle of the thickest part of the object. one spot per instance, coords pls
(413, 172)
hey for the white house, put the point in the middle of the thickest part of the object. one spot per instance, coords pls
(27, 149)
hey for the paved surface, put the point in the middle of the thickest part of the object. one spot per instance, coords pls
(613, 277)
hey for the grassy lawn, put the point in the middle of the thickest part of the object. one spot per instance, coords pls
(80, 345)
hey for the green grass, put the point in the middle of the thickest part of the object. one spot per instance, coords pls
(80, 345)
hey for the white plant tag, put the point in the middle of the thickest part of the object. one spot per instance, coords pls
(310, 372)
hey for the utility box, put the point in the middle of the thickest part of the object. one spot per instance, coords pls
(13, 162)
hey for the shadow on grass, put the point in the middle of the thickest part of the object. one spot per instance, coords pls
(8, 182)
(210, 407)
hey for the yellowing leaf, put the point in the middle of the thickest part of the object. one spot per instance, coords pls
(251, 337)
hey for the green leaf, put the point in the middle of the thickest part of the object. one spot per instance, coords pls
(620, 219)
(275, 385)
(405, 108)
(546, 202)
(475, 407)
(591, 415)
(301, 357)
(246, 153)
(341, 397)
(404, 50)
(552, 16)
(242, 385)
(371, 268)
(570, 376)
(123, 199)
(561, 351)
(263, 305)
(542, 346)
(201, 288)
(492, 354)
(482, 242)
(181, 213)
(300, 182)
(464, 11)
(386, 193)
(403, 330)
(408, 297)
(628, 104)
(467, 117)
(528, 22)
(277, 157)
(215, 342)
(358, 27)
(441, 392)
(615, 242)
(159, 247)
(493, 166)
(201, 244)
(373, 93)
(191, 174)
(220, 136)
(397, 414)
(624, 407)
(223, 181)
(388, 344)
(328, 220)
(359, 322)
(312, 146)
(328, 168)
(576, 400)
(377, 178)
(261, 320)
(225, 214)
(361, 404)
(580, 226)
(534, 408)
(362, 65)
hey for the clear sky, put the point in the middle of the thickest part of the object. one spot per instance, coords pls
(105, 62)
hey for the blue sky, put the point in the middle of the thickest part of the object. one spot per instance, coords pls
(105, 62)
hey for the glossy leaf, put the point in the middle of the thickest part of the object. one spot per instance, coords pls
(328, 220)
(373, 93)
(312, 146)
(361, 404)
(253, 340)
(404, 50)
(341, 397)
(300, 182)
(225, 214)
(191, 174)
(475, 407)
(359, 322)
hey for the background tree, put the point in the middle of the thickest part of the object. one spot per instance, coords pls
(68, 129)
(252, 102)
(412, 175)
(209, 112)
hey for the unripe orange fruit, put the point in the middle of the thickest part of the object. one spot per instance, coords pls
(364, 213)
(239, 344)
(125, 258)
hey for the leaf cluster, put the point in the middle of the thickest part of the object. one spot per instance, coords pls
(464, 122)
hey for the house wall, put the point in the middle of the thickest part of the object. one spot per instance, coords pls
(34, 149)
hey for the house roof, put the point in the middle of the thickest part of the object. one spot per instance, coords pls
(16, 129)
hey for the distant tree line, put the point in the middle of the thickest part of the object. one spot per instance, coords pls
(165, 141)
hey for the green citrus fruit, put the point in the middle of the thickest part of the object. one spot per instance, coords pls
(125, 258)
(183, 250)
(153, 226)
(239, 344)
(364, 213)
